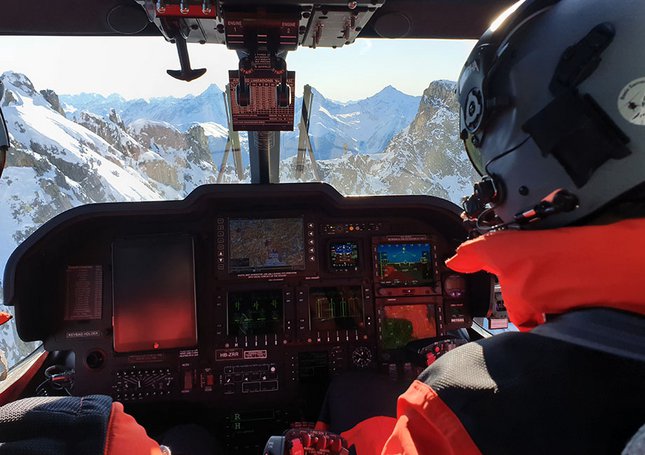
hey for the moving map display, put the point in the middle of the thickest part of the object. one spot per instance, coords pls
(337, 308)
(404, 264)
(255, 313)
(404, 323)
(257, 245)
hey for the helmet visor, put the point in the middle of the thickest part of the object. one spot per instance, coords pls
(475, 155)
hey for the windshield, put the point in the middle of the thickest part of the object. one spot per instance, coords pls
(98, 120)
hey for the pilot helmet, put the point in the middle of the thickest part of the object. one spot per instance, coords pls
(552, 111)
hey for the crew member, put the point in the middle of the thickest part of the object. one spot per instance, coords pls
(553, 116)
(92, 425)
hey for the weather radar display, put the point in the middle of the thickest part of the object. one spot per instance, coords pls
(404, 264)
(258, 245)
(405, 323)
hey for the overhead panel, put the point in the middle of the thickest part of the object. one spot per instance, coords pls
(390, 18)
(234, 23)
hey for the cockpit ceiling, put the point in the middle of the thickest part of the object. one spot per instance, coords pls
(396, 19)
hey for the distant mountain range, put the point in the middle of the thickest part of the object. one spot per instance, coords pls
(180, 112)
(364, 126)
(80, 149)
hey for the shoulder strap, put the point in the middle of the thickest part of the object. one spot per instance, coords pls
(610, 331)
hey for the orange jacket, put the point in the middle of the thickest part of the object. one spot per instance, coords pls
(541, 273)
(125, 435)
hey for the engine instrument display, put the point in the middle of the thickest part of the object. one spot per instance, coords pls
(336, 308)
(154, 293)
(258, 245)
(404, 264)
(405, 323)
(343, 256)
(255, 313)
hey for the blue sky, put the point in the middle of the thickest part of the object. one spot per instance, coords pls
(136, 67)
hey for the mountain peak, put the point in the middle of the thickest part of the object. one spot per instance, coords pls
(18, 81)
(445, 83)
(316, 93)
(441, 92)
(212, 89)
(389, 91)
(52, 98)
(441, 88)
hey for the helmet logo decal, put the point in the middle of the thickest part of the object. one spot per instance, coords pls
(631, 102)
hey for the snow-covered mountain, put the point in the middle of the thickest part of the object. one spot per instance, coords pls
(364, 126)
(180, 112)
(61, 158)
(426, 157)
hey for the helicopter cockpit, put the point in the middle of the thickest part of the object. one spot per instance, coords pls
(235, 307)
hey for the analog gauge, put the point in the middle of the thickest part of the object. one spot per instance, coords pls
(454, 286)
(362, 357)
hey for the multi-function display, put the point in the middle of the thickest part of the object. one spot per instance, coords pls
(257, 245)
(404, 323)
(336, 308)
(154, 293)
(404, 264)
(255, 313)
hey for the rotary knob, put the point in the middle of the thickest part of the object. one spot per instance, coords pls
(362, 357)
(322, 443)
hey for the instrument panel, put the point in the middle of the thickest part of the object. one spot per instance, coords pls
(240, 292)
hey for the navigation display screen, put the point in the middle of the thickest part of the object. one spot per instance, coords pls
(404, 264)
(405, 323)
(343, 256)
(257, 245)
(154, 293)
(255, 313)
(337, 308)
